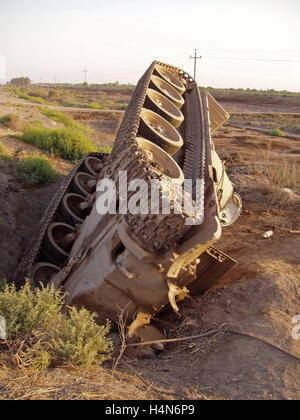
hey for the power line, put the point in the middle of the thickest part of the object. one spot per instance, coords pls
(195, 58)
(253, 51)
(85, 71)
(250, 59)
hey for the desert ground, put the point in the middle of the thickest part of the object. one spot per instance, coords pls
(252, 355)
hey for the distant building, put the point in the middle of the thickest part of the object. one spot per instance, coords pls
(21, 82)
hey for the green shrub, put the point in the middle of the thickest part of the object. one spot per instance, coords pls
(67, 142)
(5, 119)
(79, 340)
(53, 94)
(38, 93)
(105, 149)
(37, 123)
(45, 336)
(277, 133)
(37, 169)
(64, 119)
(29, 97)
(94, 106)
(70, 104)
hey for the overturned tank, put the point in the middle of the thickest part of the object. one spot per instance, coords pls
(132, 231)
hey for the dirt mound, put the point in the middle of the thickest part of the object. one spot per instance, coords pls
(21, 208)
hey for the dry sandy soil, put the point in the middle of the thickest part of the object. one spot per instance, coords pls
(253, 354)
(105, 123)
(258, 102)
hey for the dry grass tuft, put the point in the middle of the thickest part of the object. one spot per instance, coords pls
(71, 384)
(12, 121)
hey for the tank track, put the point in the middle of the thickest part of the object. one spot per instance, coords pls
(32, 252)
(194, 159)
(157, 235)
(153, 233)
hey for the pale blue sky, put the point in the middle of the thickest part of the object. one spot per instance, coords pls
(118, 40)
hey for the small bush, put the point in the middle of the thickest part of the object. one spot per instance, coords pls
(68, 143)
(94, 106)
(43, 336)
(28, 97)
(5, 119)
(13, 122)
(105, 149)
(38, 93)
(64, 119)
(286, 175)
(4, 157)
(53, 94)
(37, 169)
(277, 133)
(79, 340)
(2, 151)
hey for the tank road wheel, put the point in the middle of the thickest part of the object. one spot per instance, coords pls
(160, 104)
(83, 184)
(170, 78)
(155, 128)
(161, 162)
(73, 209)
(58, 242)
(92, 165)
(43, 272)
(159, 84)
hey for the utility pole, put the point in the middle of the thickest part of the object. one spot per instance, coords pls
(54, 81)
(85, 71)
(195, 58)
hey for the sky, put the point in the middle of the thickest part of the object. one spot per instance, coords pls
(117, 40)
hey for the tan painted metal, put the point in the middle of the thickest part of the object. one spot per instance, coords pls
(218, 115)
